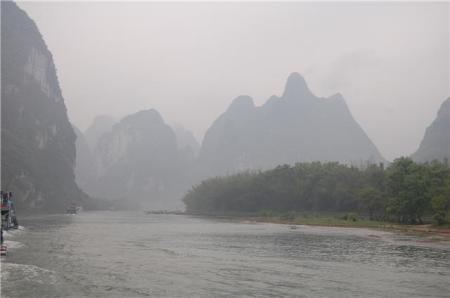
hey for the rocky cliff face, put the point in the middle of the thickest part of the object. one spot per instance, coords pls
(296, 127)
(38, 142)
(187, 144)
(101, 125)
(436, 141)
(138, 162)
(86, 145)
(84, 164)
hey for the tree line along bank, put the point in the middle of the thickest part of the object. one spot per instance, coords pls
(405, 191)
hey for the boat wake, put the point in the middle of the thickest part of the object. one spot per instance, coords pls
(11, 244)
(29, 273)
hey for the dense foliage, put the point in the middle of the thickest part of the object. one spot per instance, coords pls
(403, 192)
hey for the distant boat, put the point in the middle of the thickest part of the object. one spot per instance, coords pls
(73, 209)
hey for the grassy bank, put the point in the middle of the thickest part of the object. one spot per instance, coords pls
(346, 220)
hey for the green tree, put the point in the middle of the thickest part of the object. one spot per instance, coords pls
(405, 191)
(441, 204)
(408, 190)
(372, 201)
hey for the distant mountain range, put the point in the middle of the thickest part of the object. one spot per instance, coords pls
(138, 161)
(38, 142)
(296, 127)
(435, 144)
(142, 160)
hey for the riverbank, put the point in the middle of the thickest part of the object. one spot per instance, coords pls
(348, 220)
(439, 233)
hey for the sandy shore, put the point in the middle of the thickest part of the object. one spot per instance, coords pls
(428, 230)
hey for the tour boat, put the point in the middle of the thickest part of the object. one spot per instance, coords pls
(3, 250)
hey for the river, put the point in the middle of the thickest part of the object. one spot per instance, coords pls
(131, 254)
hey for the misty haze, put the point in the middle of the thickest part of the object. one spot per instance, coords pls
(225, 149)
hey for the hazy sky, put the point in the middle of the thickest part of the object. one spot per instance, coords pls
(189, 60)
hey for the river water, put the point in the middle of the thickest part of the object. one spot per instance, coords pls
(117, 254)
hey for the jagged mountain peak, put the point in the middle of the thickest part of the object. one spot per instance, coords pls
(297, 127)
(436, 141)
(144, 117)
(339, 101)
(139, 159)
(445, 108)
(337, 96)
(296, 88)
(241, 103)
